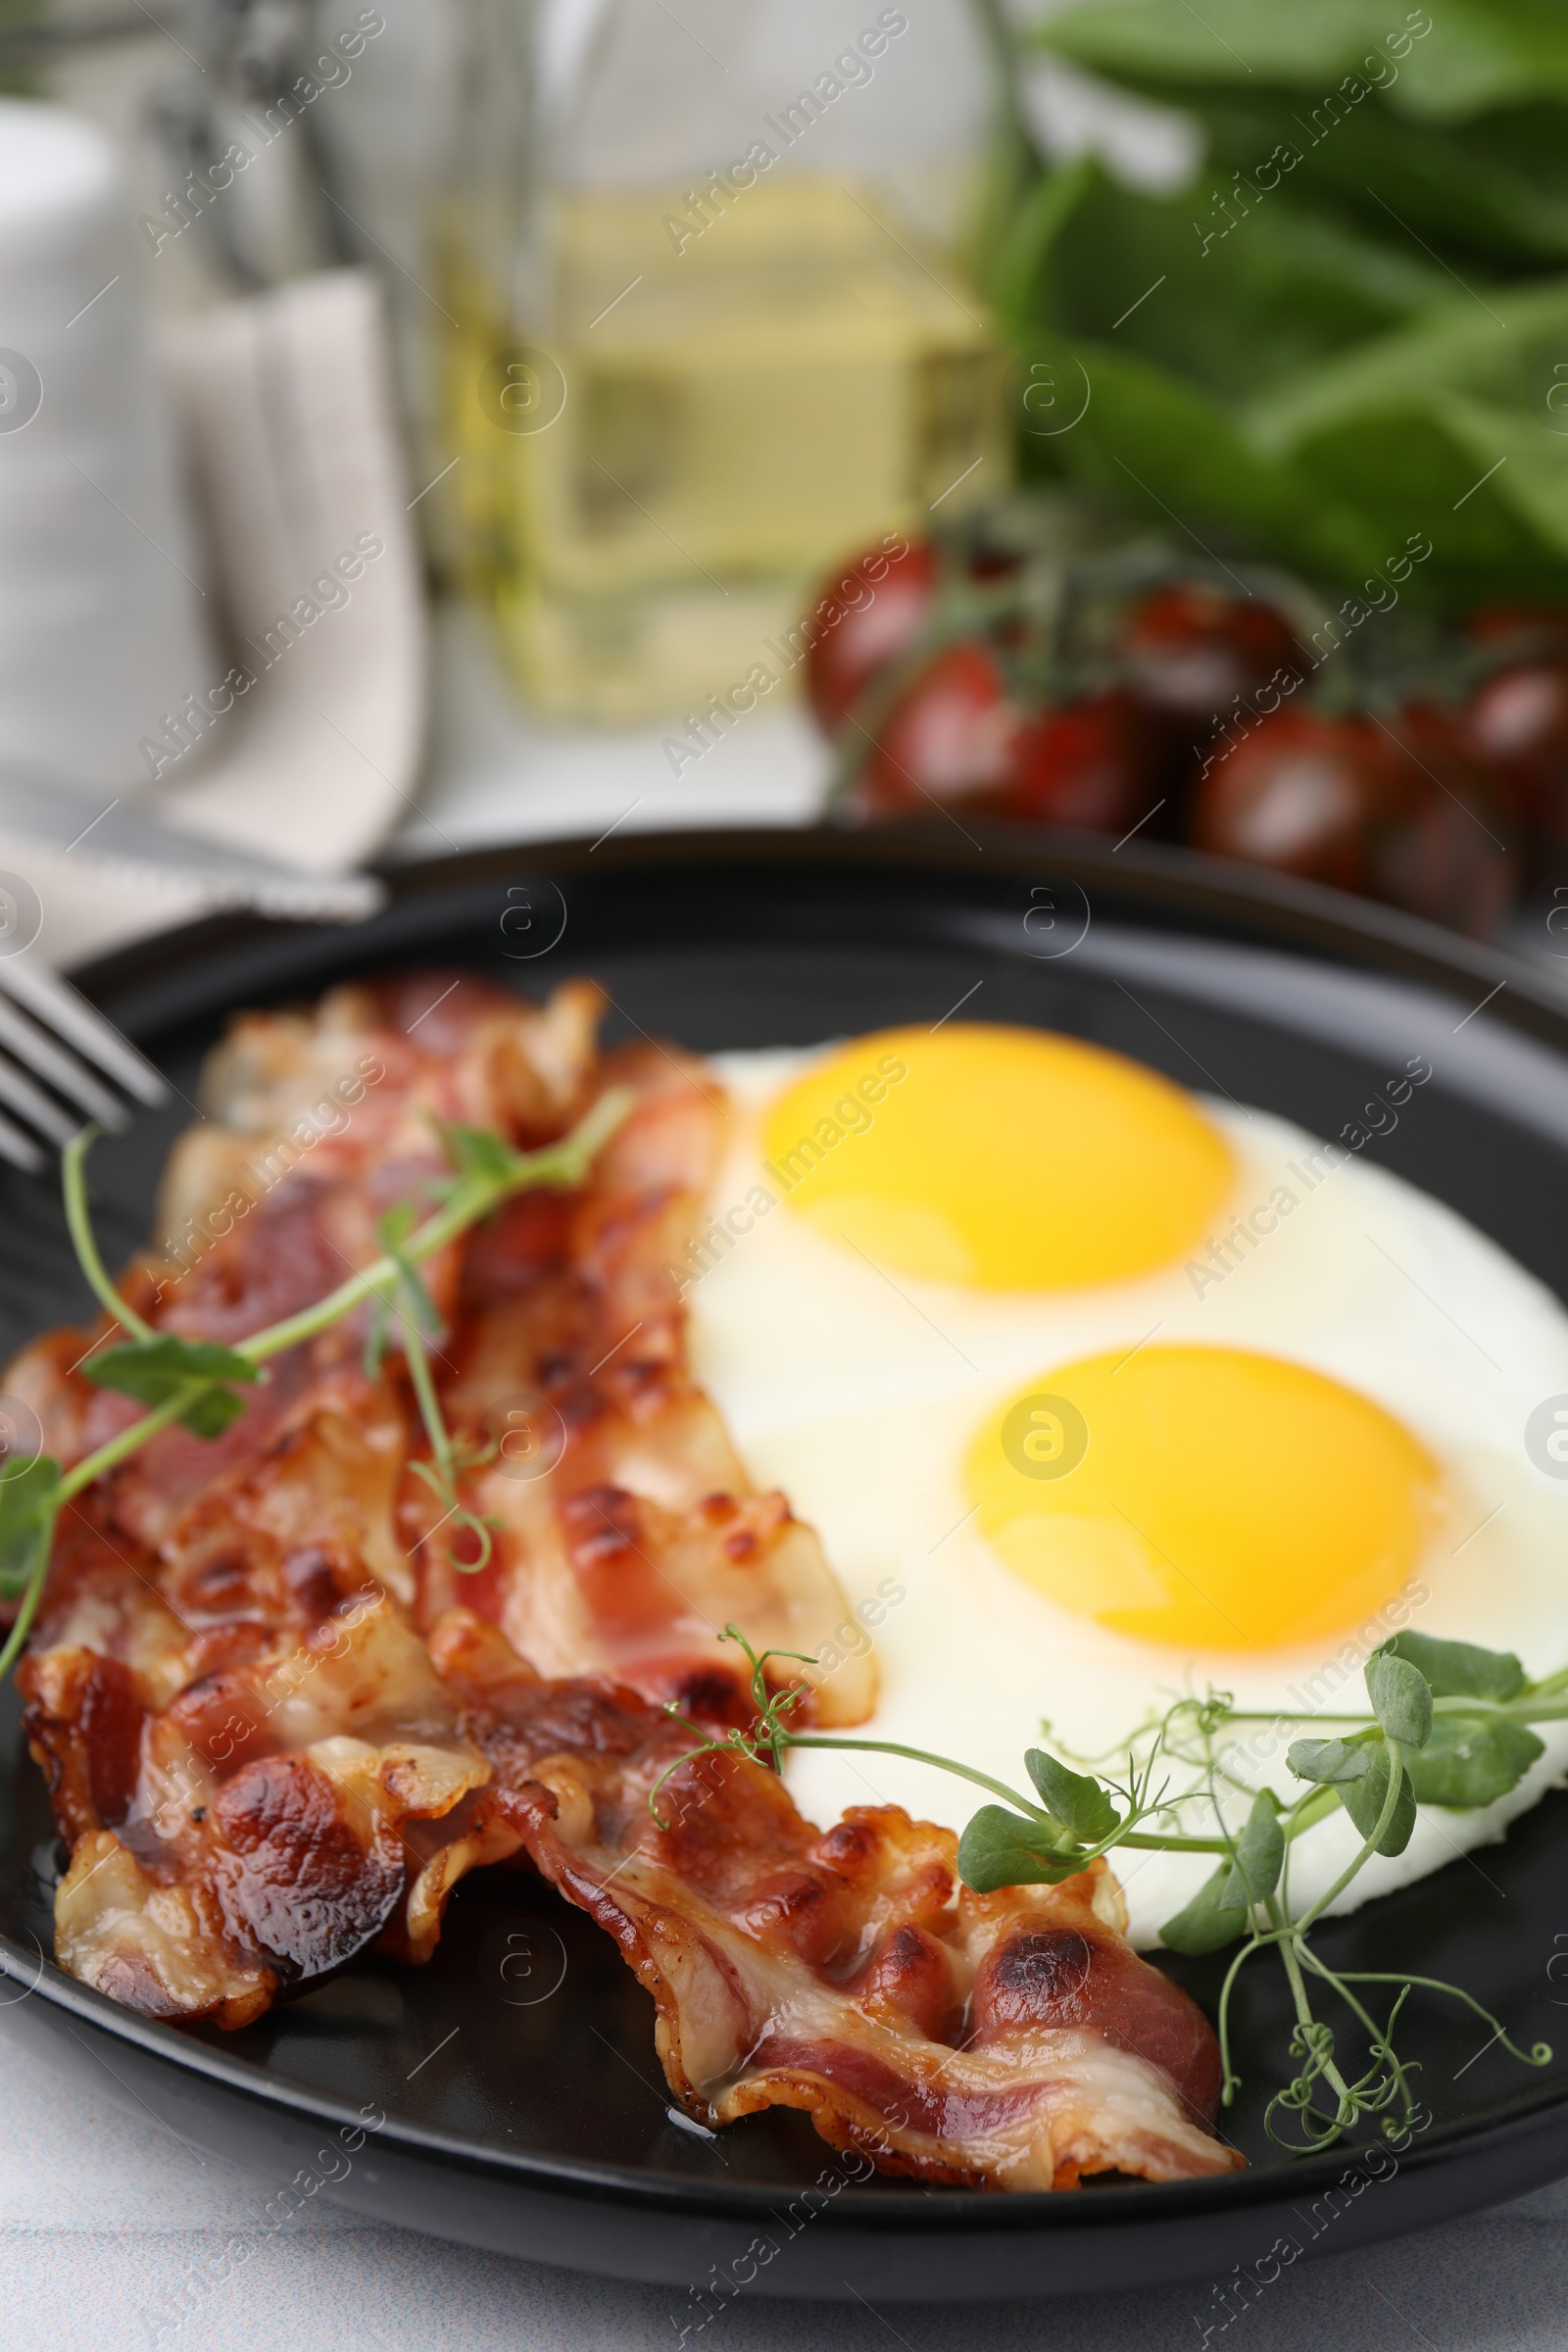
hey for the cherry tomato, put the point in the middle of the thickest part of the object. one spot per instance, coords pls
(1394, 811)
(1190, 651)
(1446, 845)
(1537, 629)
(958, 739)
(949, 738)
(862, 621)
(1516, 726)
(1089, 763)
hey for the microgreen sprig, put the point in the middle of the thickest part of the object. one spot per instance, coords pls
(1446, 1725)
(198, 1382)
(450, 1456)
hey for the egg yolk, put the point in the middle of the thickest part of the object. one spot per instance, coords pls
(1008, 1158)
(1209, 1497)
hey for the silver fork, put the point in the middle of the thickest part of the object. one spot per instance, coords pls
(61, 1064)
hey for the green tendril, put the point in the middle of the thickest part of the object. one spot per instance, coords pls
(1468, 1707)
(1373, 1774)
(202, 1385)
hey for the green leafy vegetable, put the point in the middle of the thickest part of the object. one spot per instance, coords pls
(412, 1299)
(1079, 1803)
(28, 1497)
(1212, 1919)
(475, 1152)
(1469, 1761)
(1243, 1901)
(1364, 1800)
(1490, 197)
(1329, 1762)
(1348, 321)
(1000, 1848)
(1459, 1669)
(1471, 56)
(1401, 1699)
(157, 1370)
(1259, 1854)
(198, 1381)
(1235, 315)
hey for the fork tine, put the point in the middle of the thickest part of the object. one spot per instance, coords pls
(30, 1101)
(19, 1149)
(57, 1005)
(50, 1061)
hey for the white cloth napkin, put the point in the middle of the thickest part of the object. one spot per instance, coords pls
(102, 617)
(287, 410)
(307, 738)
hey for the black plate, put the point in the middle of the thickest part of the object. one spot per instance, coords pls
(525, 2111)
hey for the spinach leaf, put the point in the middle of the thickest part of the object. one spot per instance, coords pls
(1235, 310)
(1474, 56)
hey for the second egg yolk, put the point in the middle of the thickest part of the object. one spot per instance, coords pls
(1212, 1497)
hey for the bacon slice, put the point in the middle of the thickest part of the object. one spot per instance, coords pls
(628, 1532)
(229, 1842)
(1013, 2040)
(241, 1792)
(262, 1770)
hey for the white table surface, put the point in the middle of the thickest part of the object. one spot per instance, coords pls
(105, 2217)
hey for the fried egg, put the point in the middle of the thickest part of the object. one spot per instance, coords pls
(1100, 1393)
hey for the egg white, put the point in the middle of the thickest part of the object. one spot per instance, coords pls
(858, 1388)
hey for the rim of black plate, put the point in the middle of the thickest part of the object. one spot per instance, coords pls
(1181, 890)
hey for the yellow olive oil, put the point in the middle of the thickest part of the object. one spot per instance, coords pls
(727, 389)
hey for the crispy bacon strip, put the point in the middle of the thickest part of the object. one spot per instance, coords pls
(262, 1770)
(245, 1794)
(628, 1531)
(228, 1840)
(1013, 2040)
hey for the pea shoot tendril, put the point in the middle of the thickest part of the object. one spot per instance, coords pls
(199, 1383)
(1445, 1724)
